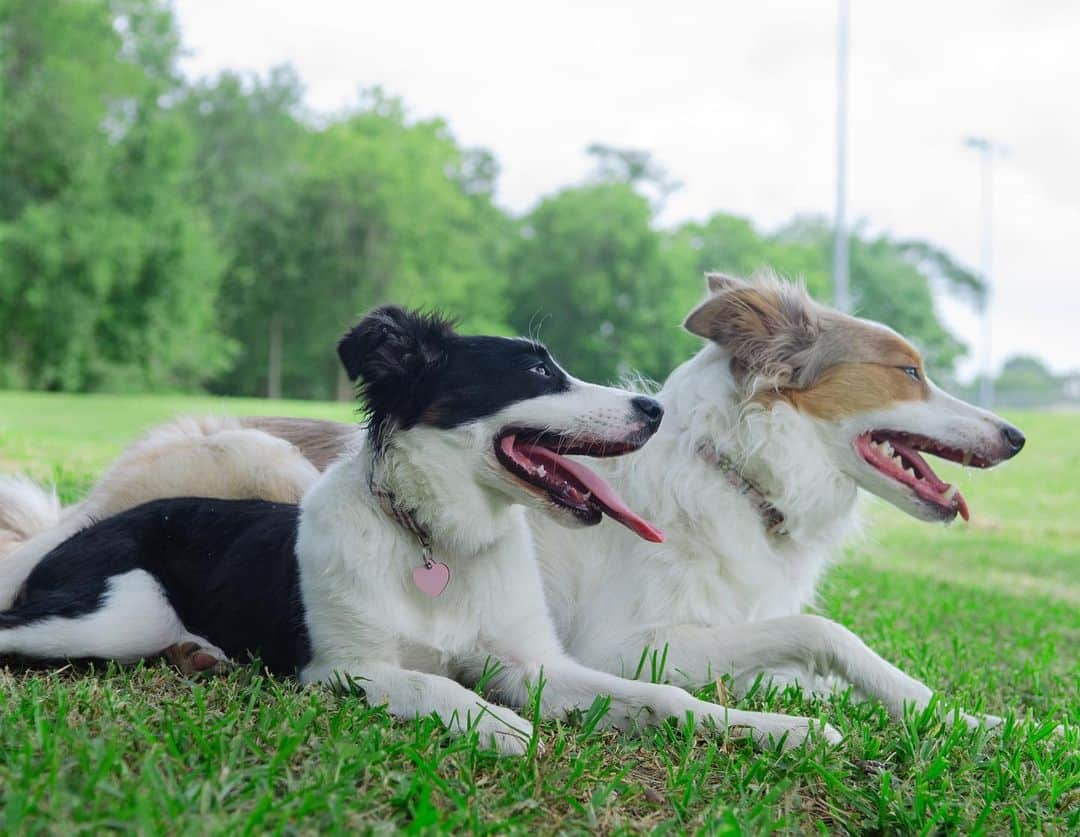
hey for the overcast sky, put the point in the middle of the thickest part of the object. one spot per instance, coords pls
(737, 100)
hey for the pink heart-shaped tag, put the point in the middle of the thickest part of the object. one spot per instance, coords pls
(432, 580)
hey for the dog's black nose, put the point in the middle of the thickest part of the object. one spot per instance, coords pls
(650, 408)
(1013, 438)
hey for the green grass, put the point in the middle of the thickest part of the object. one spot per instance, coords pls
(989, 613)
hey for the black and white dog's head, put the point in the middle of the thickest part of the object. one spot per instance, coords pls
(498, 411)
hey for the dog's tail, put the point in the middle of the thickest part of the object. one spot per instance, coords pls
(32, 522)
(26, 509)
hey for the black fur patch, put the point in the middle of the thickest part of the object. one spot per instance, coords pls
(228, 568)
(413, 368)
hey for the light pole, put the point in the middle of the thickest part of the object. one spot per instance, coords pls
(841, 294)
(988, 150)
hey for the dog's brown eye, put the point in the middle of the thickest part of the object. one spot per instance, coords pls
(911, 372)
(541, 369)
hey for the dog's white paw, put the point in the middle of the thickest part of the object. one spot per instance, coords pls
(975, 721)
(767, 730)
(508, 743)
(796, 733)
(994, 722)
(507, 735)
(830, 733)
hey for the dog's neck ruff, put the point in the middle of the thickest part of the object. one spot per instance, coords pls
(771, 517)
(434, 576)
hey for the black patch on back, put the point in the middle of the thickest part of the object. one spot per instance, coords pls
(413, 368)
(228, 568)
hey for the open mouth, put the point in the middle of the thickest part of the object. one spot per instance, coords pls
(538, 459)
(897, 455)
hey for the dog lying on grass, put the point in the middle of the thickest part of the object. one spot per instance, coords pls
(407, 570)
(771, 429)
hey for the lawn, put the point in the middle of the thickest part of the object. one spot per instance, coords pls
(989, 613)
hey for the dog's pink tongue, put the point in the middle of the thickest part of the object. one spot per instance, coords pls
(613, 505)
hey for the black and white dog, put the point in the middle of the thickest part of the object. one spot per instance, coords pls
(406, 569)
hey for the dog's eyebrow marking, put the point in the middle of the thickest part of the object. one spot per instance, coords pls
(854, 366)
(847, 389)
(891, 350)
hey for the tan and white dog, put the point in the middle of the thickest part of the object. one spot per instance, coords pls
(770, 431)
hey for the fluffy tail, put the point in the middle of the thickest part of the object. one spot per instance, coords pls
(25, 510)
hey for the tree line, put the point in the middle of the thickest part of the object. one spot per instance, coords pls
(158, 233)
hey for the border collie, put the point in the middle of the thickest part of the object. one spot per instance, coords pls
(407, 569)
(771, 429)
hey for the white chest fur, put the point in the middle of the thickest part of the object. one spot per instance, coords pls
(610, 591)
(360, 601)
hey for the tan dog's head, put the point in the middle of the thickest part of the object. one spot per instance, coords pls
(862, 384)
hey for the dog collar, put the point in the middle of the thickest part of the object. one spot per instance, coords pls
(434, 576)
(771, 516)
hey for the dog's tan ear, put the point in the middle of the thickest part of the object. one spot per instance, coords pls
(699, 321)
(739, 313)
(717, 282)
(768, 327)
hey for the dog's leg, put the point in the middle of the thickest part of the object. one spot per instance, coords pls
(568, 685)
(410, 694)
(805, 649)
(195, 655)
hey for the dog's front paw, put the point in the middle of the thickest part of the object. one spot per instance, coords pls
(798, 731)
(791, 731)
(993, 722)
(508, 734)
(831, 734)
(508, 743)
(975, 721)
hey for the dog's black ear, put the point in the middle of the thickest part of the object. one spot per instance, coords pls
(390, 355)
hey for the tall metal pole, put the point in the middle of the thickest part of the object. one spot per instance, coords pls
(841, 293)
(988, 150)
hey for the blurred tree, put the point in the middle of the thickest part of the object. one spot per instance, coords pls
(939, 266)
(891, 280)
(730, 244)
(393, 210)
(323, 224)
(887, 283)
(590, 277)
(249, 155)
(108, 270)
(1025, 381)
(156, 233)
(635, 167)
(723, 242)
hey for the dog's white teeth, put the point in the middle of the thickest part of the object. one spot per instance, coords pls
(910, 471)
(885, 446)
(541, 471)
(898, 462)
(967, 458)
(950, 492)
